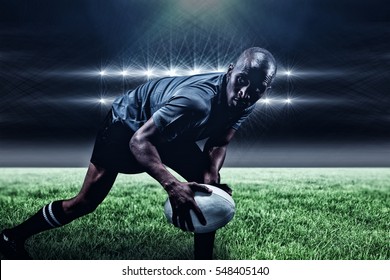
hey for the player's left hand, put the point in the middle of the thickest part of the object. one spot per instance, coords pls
(224, 187)
(214, 179)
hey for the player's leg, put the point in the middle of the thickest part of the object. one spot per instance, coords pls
(189, 161)
(111, 151)
(204, 245)
(97, 184)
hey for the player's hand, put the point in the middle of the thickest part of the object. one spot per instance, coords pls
(214, 179)
(182, 201)
(224, 187)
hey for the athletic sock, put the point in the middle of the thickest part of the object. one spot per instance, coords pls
(50, 216)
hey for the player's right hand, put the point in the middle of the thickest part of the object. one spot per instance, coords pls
(182, 200)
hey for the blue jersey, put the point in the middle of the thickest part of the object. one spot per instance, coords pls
(189, 108)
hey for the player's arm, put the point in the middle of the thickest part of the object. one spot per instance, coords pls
(215, 149)
(181, 194)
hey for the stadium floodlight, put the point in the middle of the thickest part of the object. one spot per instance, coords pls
(102, 101)
(288, 101)
(172, 72)
(195, 71)
(124, 73)
(288, 73)
(102, 73)
(148, 73)
(265, 100)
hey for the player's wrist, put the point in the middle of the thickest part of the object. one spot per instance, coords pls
(211, 177)
(170, 185)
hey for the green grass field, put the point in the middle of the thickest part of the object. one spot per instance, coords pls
(282, 213)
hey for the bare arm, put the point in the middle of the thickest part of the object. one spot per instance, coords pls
(181, 194)
(215, 149)
(143, 146)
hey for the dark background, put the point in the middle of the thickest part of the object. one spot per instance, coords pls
(51, 53)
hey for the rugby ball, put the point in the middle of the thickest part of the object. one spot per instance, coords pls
(218, 208)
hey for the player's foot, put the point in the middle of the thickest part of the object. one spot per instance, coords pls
(12, 249)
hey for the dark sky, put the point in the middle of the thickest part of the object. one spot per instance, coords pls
(51, 53)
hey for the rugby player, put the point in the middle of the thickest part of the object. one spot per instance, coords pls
(156, 126)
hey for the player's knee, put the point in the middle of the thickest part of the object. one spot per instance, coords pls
(79, 207)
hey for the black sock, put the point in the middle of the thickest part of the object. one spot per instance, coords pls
(50, 216)
(203, 245)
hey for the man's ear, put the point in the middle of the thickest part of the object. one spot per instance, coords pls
(230, 69)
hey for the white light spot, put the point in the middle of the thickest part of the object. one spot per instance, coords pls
(102, 73)
(288, 101)
(149, 73)
(266, 101)
(288, 73)
(102, 101)
(124, 73)
(172, 72)
(195, 71)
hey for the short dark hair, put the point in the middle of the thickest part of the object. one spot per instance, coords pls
(260, 57)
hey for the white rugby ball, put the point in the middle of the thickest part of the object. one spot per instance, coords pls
(218, 208)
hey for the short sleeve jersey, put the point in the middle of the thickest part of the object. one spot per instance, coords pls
(188, 108)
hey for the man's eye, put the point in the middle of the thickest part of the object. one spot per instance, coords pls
(241, 80)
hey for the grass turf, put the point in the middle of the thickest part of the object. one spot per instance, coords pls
(282, 213)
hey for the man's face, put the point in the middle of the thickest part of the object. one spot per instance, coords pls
(246, 84)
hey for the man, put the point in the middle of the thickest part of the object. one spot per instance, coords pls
(157, 125)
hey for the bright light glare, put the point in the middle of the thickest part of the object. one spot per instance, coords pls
(266, 101)
(149, 73)
(102, 101)
(171, 72)
(195, 71)
(288, 100)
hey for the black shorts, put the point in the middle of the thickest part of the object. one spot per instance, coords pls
(112, 151)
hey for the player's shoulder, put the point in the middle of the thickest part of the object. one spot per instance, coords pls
(193, 98)
(206, 91)
(202, 86)
(210, 81)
